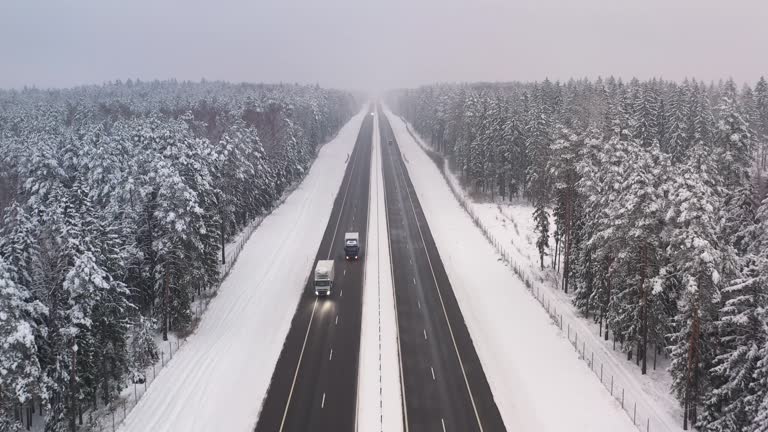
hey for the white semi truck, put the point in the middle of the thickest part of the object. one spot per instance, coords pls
(323, 277)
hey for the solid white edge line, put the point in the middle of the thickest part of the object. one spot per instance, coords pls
(443, 422)
(442, 304)
(330, 357)
(314, 306)
(362, 290)
(296, 374)
(394, 296)
(433, 373)
(322, 404)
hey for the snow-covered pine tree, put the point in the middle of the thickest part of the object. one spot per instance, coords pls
(731, 405)
(696, 254)
(565, 152)
(638, 214)
(21, 376)
(733, 145)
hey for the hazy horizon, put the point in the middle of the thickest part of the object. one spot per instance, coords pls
(379, 45)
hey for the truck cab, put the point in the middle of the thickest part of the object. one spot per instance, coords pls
(352, 245)
(323, 277)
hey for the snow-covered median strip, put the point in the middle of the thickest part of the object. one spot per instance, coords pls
(537, 382)
(379, 399)
(219, 378)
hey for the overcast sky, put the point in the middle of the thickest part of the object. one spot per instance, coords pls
(364, 44)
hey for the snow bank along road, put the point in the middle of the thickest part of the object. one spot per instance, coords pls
(444, 386)
(538, 382)
(314, 385)
(218, 379)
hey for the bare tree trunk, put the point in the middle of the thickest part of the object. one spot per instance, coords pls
(692, 373)
(643, 341)
(223, 246)
(568, 229)
(166, 314)
(73, 390)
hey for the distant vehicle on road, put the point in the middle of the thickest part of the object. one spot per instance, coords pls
(323, 277)
(352, 245)
(390, 142)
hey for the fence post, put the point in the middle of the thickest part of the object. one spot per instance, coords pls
(634, 414)
(124, 410)
(113, 420)
(170, 350)
(647, 424)
(162, 358)
(601, 373)
(592, 362)
(622, 398)
(135, 393)
(611, 385)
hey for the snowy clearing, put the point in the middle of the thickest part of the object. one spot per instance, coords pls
(378, 394)
(537, 381)
(218, 379)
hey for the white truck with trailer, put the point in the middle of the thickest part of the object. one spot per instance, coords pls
(323, 277)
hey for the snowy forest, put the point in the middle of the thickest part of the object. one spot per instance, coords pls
(656, 193)
(116, 202)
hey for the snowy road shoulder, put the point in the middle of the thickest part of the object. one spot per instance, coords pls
(537, 382)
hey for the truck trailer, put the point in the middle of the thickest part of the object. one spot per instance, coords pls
(352, 245)
(323, 277)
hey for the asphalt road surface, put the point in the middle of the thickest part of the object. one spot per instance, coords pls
(444, 386)
(314, 385)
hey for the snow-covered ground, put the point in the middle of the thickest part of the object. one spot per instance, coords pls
(513, 227)
(538, 382)
(218, 379)
(378, 397)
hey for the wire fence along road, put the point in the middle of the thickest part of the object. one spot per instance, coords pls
(109, 417)
(602, 369)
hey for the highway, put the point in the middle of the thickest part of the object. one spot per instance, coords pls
(444, 387)
(314, 384)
